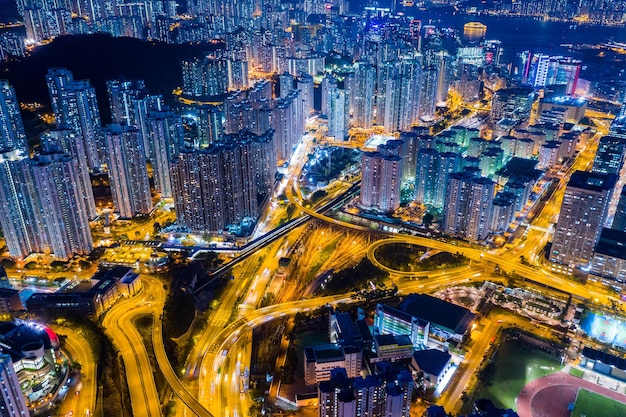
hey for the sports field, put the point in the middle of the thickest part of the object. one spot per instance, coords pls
(590, 404)
(605, 329)
(516, 366)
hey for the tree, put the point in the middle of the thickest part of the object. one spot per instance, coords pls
(428, 219)
(464, 397)
(256, 409)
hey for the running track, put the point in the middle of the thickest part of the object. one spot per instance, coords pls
(550, 395)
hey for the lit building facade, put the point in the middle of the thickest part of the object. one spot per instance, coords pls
(20, 211)
(65, 140)
(215, 188)
(381, 178)
(58, 181)
(362, 106)
(12, 134)
(128, 174)
(12, 401)
(75, 105)
(166, 138)
(582, 214)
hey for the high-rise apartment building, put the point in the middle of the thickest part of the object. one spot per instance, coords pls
(304, 83)
(215, 188)
(45, 20)
(402, 95)
(428, 91)
(20, 211)
(338, 114)
(206, 125)
(288, 124)
(75, 105)
(58, 181)
(65, 140)
(206, 77)
(362, 105)
(468, 206)
(12, 134)
(130, 104)
(479, 209)
(166, 138)
(122, 95)
(12, 400)
(237, 74)
(329, 84)
(426, 178)
(582, 215)
(448, 162)
(128, 174)
(285, 83)
(381, 178)
(619, 220)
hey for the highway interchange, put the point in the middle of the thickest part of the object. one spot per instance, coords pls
(209, 383)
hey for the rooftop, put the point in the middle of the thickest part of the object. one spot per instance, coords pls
(604, 357)
(612, 243)
(439, 312)
(324, 353)
(520, 168)
(389, 339)
(592, 181)
(431, 361)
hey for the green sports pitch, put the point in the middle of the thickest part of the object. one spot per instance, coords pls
(590, 404)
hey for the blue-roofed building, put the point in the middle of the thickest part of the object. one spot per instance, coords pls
(433, 364)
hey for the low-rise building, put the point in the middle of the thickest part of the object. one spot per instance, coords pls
(10, 301)
(388, 347)
(446, 321)
(433, 364)
(609, 258)
(34, 350)
(319, 361)
(89, 298)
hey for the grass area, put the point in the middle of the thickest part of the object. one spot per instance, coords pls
(576, 372)
(408, 257)
(590, 404)
(516, 366)
(321, 257)
(355, 278)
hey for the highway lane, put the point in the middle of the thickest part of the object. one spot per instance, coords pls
(506, 264)
(250, 278)
(78, 348)
(230, 333)
(229, 337)
(251, 283)
(119, 326)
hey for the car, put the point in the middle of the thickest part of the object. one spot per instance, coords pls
(499, 321)
(77, 392)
